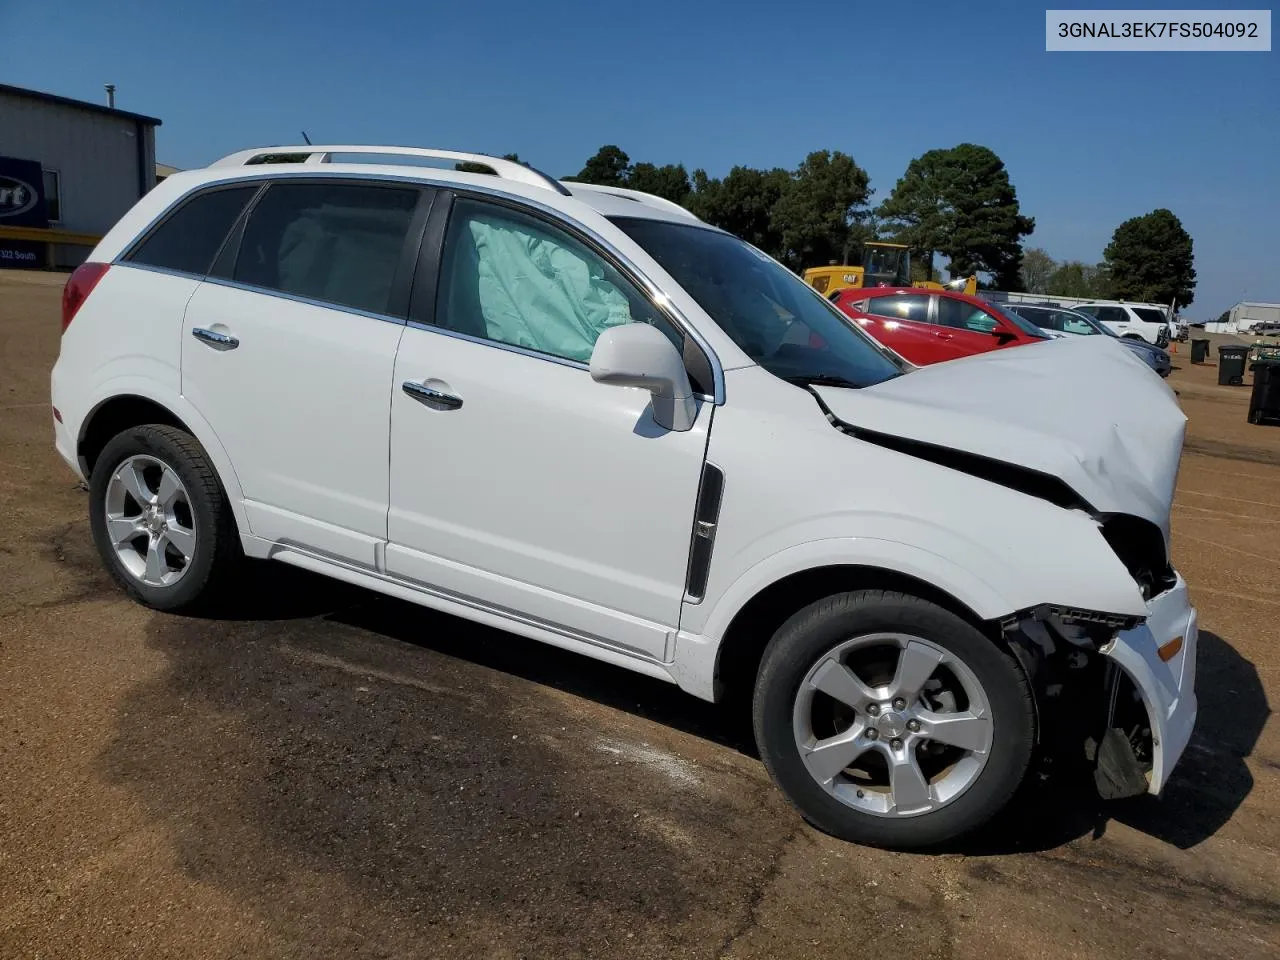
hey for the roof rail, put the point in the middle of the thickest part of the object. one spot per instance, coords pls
(505, 169)
(648, 199)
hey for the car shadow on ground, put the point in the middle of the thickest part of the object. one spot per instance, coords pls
(1208, 785)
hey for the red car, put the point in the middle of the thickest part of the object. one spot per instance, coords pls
(929, 326)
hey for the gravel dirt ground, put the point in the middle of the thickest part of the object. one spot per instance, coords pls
(341, 775)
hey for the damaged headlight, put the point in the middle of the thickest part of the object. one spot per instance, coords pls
(1141, 548)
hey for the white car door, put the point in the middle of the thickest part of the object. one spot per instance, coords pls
(288, 350)
(517, 482)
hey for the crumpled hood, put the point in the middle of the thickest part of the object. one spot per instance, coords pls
(1079, 409)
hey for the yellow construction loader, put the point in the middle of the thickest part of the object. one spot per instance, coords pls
(884, 264)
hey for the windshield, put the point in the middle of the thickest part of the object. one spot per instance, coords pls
(885, 263)
(775, 317)
(1150, 314)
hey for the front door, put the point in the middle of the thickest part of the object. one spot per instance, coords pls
(516, 480)
(970, 328)
(288, 350)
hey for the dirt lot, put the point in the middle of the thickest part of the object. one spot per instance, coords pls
(347, 776)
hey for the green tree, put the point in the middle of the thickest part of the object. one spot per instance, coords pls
(741, 203)
(1151, 258)
(1037, 267)
(821, 215)
(1100, 286)
(670, 181)
(608, 167)
(960, 203)
(1071, 279)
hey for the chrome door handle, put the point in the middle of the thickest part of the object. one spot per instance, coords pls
(431, 398)
(222, 341)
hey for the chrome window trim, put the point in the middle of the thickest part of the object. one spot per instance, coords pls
(308, 301)
(655, 293)
(264, 291)
(498, 344)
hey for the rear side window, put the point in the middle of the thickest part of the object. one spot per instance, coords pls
(190, 237)
(1150, 315)
(902, 307)
(337, 243)
(1111, 314)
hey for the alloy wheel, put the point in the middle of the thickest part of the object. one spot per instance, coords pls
(892, 725)
(149, 521)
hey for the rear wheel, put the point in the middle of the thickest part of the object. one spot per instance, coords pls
(890, 721)
(160, 519)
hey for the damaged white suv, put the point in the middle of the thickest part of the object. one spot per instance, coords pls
(582, 415)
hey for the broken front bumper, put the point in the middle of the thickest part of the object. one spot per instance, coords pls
(1167, 686)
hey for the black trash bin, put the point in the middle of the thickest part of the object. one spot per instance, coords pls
(1199, 351)
(1231, 361)
(1264, 404)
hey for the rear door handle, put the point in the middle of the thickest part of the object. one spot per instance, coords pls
(428, 396)
(220, 341)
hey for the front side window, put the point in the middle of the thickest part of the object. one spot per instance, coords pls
(900, 307)
(513, 278)
(189, 238)
(1069, 322)
(339, 243)
(964, 316)
(773, 316)
(1044, 319)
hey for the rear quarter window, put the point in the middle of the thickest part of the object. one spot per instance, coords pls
(188, 238)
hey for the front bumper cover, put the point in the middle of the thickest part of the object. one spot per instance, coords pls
(1167, 687)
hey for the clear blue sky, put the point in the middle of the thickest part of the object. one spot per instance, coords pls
(1089, 139)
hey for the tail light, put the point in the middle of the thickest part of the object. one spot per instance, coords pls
(79, 285)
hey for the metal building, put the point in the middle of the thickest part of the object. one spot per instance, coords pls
(69, 170)
(1250, 314)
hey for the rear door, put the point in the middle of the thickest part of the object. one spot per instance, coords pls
(518, 483)
(1116, 319)
(901, 322)
(288, 350)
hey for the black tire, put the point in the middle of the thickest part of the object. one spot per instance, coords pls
(217, 555)
(810, 634)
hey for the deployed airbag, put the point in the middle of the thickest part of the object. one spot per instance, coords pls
(537, 291)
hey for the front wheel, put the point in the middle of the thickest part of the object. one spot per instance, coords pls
(889, 721)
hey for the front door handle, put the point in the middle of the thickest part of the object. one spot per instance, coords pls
(436, 399)
(220, 341)
(942, 335)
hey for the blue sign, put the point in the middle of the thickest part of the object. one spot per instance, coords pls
(21, 254)
(22, 194)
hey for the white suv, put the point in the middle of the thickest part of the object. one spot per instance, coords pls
(582, 415)
(1126, 320)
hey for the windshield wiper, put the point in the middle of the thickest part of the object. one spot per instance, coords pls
(821, 380)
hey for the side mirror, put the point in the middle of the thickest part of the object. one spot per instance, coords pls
(1003, 335)
(638, 355)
